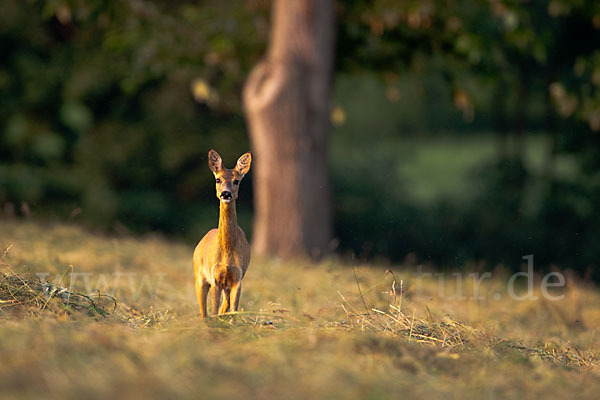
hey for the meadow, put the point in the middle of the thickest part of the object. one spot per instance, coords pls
(338, 329)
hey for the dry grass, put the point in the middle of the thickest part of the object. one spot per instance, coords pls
(305, 331)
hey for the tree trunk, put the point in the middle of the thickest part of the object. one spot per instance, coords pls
(287, 107)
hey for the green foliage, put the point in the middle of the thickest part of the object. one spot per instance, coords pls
(448, 198)
(510, 68)
(533, 44)
(99, 109)
(107, 110)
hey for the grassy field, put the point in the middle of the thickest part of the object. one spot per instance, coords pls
(306, 331)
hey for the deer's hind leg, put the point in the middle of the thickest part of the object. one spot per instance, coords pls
(202, 288)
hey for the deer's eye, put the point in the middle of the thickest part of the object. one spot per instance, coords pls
(218, 180)
(236, 182)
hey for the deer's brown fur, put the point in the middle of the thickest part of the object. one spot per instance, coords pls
(222, 256)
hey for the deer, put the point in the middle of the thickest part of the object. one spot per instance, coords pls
(221, 258)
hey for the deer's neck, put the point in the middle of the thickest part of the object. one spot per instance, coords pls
(228, 228)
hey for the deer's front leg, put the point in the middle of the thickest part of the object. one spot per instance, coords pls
(236, 291)
(225, 305)
(216, 298)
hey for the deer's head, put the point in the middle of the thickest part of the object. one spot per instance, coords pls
(228, 180)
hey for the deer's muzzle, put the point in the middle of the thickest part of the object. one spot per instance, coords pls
(226, 196)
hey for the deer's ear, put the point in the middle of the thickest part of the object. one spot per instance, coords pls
(243, 163)
(215, 163)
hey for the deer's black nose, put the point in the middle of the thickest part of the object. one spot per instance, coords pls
(226, 195)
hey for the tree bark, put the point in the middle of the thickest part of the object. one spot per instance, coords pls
(287, 98)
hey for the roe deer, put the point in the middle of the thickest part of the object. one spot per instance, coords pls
(222, 256)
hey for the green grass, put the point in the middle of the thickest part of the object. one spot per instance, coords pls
(305, 331)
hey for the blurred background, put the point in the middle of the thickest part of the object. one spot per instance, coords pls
(461, 131)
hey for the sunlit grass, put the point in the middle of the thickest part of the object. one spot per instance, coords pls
(304, 331)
